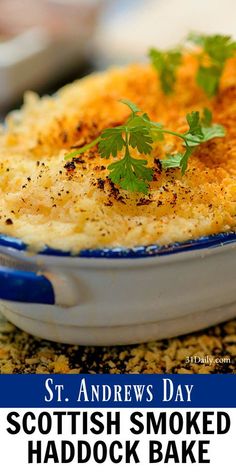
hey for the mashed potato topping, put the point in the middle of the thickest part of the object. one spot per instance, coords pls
(46, 200)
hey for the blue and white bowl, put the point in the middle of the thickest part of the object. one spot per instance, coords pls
(119, 296)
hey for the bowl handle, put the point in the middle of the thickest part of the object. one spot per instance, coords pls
(23, 286)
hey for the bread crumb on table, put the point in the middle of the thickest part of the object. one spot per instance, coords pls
(24, 354)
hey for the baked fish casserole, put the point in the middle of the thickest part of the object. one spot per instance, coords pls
(56, 188)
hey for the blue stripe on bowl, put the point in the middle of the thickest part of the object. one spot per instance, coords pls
(204, 242)
(28, 287)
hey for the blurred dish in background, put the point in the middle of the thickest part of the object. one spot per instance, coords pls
(40, 40)
(130, 27)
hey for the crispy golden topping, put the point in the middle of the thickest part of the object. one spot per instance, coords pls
(73, 205)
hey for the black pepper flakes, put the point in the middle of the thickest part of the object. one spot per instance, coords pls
(70, 166)
(158, 164)
(108, 204)
(78, 160)
(115, 193)
(144, 201)
(100, 183)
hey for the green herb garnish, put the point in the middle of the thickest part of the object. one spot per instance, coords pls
(201, 129)
(140, 133)
(166, 63)
(216, 50)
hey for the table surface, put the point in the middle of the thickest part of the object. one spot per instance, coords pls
(213, 351)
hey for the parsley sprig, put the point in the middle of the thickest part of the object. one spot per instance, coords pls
(166, 63)
(139, 132)
(201, 129)
(216, 50)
